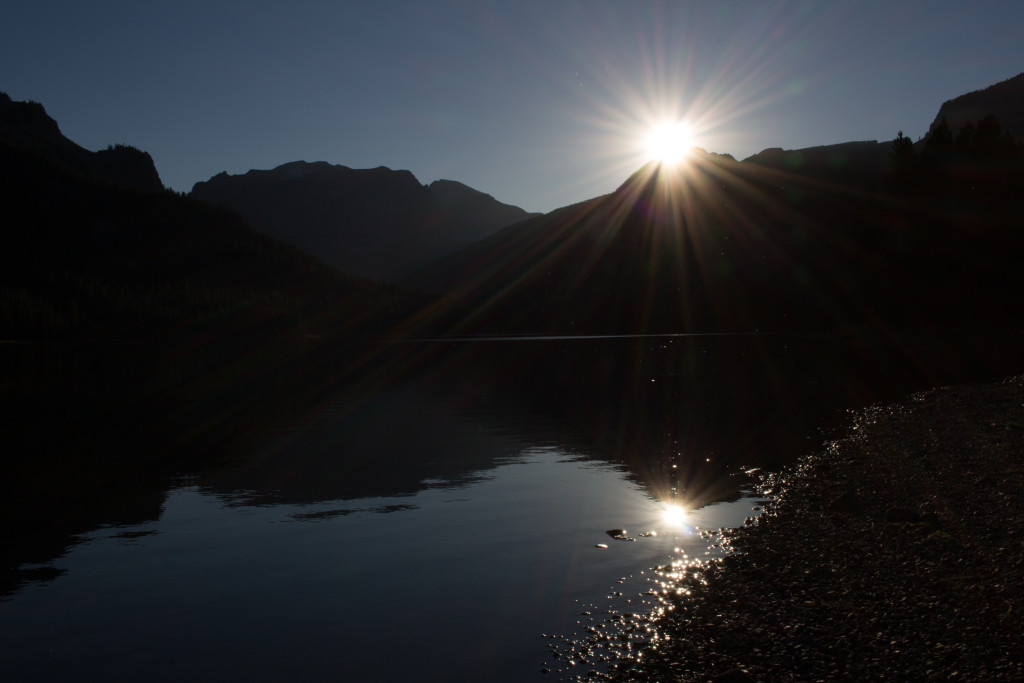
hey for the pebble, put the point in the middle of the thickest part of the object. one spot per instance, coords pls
(869, 566)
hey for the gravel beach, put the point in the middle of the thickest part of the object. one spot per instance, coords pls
(895, 554)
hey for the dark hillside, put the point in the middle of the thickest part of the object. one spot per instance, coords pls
(377, 223)
(86, 257)
(1004, 100)
(141, 329)
(722, 246)
(475, 214)
(27, 126)
(852, 164)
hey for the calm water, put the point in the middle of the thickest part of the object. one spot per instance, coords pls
(438, 526)
(272, 568)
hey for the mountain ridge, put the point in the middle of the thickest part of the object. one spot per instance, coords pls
(773, 242)
(759, 245)
(27, 125)
(377, 223)
(1004, 100)
(94, 252)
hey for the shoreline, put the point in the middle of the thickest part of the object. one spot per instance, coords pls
(896, 553)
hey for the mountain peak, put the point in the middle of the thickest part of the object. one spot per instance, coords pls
(451, 192)
(27, 125)
(26, 120)
(300, 169)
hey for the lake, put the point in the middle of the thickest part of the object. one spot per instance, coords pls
(446, 521)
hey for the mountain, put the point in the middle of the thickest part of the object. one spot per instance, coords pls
(474, 214)
(92, 249)
(806, 240)
(855, 164)
(26, 125)
(376, 223)
(850, 237)
(1004, 100)
(725, 246)
(865, 164)
(719, 246)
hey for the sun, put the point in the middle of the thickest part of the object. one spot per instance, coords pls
(669, 143)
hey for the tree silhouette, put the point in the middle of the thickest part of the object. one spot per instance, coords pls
(988, 132)
(965, 138)
(902, 162)
(940, 140)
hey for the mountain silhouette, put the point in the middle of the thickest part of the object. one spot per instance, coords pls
(694, 250)
(1004, 100)
(93, 249)
(473, 213)
(821, 239)
(818, 239)
(26, 125)
(724, 246)
(376, 223)
(855, 164)
(865, 164)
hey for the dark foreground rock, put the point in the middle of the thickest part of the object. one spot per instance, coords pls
(896, 554)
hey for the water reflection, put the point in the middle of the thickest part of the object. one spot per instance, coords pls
(449, 515)
(395, 441)
(461, 580)
(675, 515)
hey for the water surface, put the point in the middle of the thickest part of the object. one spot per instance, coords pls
(316, 555)
(235, 515)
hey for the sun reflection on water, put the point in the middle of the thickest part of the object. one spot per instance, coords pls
(675, 515)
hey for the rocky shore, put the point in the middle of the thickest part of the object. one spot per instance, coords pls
(896, 554)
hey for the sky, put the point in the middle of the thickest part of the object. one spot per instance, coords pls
(538, 103)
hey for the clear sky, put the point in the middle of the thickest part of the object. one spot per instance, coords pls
(539, 103)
